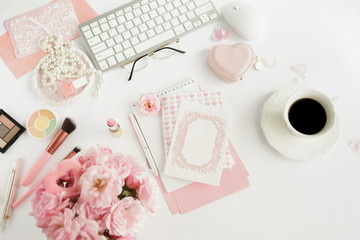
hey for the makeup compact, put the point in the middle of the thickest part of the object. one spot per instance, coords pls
(42, 124)
(10, 131)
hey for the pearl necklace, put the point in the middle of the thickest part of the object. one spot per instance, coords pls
(63, 63)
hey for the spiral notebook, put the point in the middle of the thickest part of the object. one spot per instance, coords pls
(180, 195)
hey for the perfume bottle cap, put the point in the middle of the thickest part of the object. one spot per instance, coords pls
(111, 122)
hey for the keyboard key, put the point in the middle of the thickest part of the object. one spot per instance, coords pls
(166, 25)
(151, 24)
(150, 33)
(94, 24)
(142, 37)
(177, 3)
(204, 18)
(134, 40)
(179, 30)
(137, 21)
(183, 9)
(203, 9)
(104, 54)
(118, 48)
(200, 2)
(121, 19)
(112, 61)
(126, 44)
(129, 53)
(159, 20)
(127, 9)
(120, 12)
(105, 27)
(158, 29)
(94, 40)
(111, 16)
(191, 15)
(129, 25)
(190, 5)
(96, 30)
(145, 8)
(113, 32)
(129, 16)
(167, 16)
(126, 35)
(197, 23)
(161, 2)
(103, 20)
(153, 5)
(188, 25)
(113, 23)
(145, 17)
(175, 22)
(153, 14)
(185, 1)
(160, 38)
(213, 16)
(85, 28)
(183, 18)
(88, 34)
(110, 42)
(121, 28)
(98, 48)
(118, 38)
(103, 65)
(175, 13)
(143, 2)
(136, 5)
(143, 27)
(137, 12)
(104, 36)
(134, 31)
(169, 7)
(161, 10)
(120, 57)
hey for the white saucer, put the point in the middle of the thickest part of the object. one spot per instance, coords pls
(279, 137)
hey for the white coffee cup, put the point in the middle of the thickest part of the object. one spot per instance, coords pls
(315, 98)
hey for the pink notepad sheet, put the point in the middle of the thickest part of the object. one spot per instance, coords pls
(170, 107)
(196, 195)
(19, 67)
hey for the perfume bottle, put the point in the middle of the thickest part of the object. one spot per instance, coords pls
(114, 127)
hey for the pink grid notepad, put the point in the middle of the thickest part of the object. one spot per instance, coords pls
(170, 108)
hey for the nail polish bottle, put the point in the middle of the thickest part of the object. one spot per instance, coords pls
(114, 127)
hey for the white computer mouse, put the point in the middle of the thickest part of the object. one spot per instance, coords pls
(245, 20)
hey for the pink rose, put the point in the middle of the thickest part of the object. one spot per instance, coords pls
(100, 186)
(149, 104)
(124, 217)
(148, 195)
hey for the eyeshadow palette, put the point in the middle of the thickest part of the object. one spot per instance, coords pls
(10, 130)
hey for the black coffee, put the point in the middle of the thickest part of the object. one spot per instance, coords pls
(307, 116)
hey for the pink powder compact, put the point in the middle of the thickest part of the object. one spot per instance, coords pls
(69, 88)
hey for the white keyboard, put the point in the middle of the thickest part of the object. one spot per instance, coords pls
(137, 28)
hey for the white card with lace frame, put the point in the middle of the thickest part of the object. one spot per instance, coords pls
(198, 145)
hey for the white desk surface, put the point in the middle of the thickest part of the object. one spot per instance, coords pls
(287, 199)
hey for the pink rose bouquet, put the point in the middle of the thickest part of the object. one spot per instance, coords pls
(149, 104)
(113, 196)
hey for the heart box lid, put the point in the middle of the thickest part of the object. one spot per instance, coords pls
(231, 62)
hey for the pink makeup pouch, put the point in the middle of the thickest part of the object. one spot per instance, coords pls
(231, 62)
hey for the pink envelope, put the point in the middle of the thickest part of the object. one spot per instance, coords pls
(22, 66)
(196, 195)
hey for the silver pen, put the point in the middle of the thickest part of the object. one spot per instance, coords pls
(10, 192)
(143, 143)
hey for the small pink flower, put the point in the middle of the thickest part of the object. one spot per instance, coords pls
(149, 104)
(124, 217)
(148, 195)
(100, 186)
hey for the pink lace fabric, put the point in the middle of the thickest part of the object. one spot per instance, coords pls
(57, 17)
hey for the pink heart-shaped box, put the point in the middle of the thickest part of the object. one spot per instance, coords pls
(231, 62)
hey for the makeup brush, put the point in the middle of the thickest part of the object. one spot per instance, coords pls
(67, 127)
(32, 189)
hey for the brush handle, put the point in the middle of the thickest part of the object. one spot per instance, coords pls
(25, 196)
(36, 168)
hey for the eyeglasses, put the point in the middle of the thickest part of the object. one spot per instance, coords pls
(161, 53)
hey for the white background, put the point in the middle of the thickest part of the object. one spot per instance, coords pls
(287, 199)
